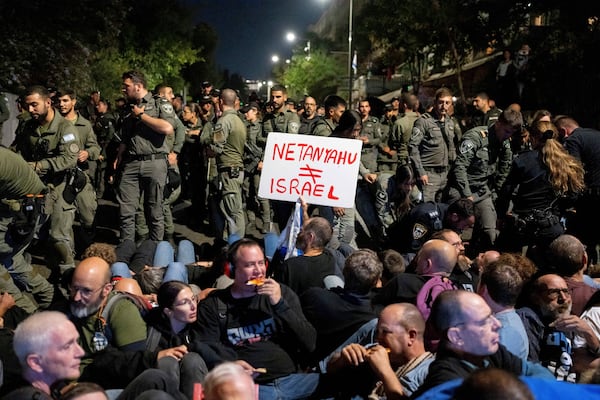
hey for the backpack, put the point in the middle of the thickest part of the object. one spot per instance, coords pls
(435, 285)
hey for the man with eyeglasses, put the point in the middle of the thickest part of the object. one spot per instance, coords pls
(551, 329)
(469, 341)
(122, 329)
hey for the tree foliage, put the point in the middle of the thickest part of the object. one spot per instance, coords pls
(86, 44)
(318, 75)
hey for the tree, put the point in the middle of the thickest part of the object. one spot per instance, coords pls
(317, 76)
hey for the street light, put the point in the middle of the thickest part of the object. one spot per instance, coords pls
(291, 37)
(275, 58)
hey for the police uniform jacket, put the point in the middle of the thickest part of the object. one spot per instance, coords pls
(141, 139)
(54, 148)
(17, 178)
(401, 133)
(323, 127)
(481, 157)
(429, 146)
(372, 129)
(87, 139)
(229, 137)
(286, 122)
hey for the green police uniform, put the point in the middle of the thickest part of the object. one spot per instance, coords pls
(85, 201)
(286, 122)
(400, 135)
(144, 169)
(253, 154)
(17, 181)
(323, 127)
(228, 140)
(481, 160)
(432, 151)
(104, 128)
(371, 128)
(172, 188)
(52, 151)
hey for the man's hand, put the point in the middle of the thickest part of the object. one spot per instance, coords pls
(379, 360)
(175, 352)
(424, 180)
(339, 211)
(6, 303)
(172, 158)
(270, 288)
(371, 178)
(137, 110)
(83, 155)
(354, 354)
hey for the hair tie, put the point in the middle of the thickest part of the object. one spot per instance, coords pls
(549, 134)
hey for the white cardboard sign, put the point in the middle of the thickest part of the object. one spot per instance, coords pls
(323, 170)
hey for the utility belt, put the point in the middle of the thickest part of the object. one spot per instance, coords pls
(535, 221)
(147, 157)
(437, 170)
(233, 172)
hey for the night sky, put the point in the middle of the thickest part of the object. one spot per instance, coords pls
(251, 31)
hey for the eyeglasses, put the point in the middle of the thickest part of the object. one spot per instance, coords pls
(553, 294)
(489, 320)
(187, 302)
(83, 291)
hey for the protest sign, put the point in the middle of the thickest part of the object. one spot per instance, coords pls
(323, 170)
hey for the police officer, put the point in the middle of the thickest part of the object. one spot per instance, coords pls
(309, 117)
(21, 192)
(402, 127)
(105, 129)
(51, 146)
(142, 157)
(281, 119)
(431, 147)
(482, 165)
(253, 155)
(228, 140)
(173, 185)
(89, 154)
(334, 108)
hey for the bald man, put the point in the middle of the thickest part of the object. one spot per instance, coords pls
(436, 257)
(397, 362)
(122, 327)
(229, 381)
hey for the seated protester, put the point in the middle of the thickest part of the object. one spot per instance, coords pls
(46, 345)
(393, 264)
(464, 274)
(229, 381)
(500, 286)
(469, 341)
(316, 262)
(108, 328)
(132, 260)
(484, 259)
(259, 323)
(427, 218)
(491, 384)
(551, 329)
(435, 258)
(569, 260)
(169, 327)
(393, 367)
(339, 313)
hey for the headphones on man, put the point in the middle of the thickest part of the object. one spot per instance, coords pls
(229, 268)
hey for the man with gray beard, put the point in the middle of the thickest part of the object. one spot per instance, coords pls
(89, 293)
(551, 327)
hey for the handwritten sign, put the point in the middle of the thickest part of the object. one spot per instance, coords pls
(322, 170)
